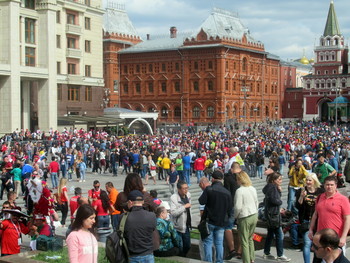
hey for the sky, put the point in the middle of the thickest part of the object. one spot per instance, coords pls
(286, 28)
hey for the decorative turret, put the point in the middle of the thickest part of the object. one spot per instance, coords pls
(332, 26)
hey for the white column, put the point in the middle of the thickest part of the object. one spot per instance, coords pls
(47, 92)
(26, 85)
(10, 103)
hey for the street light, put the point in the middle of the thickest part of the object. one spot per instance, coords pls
(255, 112)
(337, 91)
(245, 89)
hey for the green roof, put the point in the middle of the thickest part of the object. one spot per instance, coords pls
(332, 26)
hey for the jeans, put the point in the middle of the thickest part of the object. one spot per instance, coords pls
(260, 171)
(181, 175)
(186, 242)
(115, 169)
(102, 221)
(82, 174)
(144, 170)
(294, 234)
(252, 170)
(142, 259)
(306, 247)
(114, 221)
(64, 210)
(54, 180)
(291, 200)
(217, 237)
(271, 232)
(187, 176)
(64, 171)
(281, 168)
(199, 175)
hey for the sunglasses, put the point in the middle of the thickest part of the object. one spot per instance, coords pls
(5, 207)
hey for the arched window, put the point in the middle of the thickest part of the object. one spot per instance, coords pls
(138, 109)
(177, 112)
(245, 111)
(210, 112)
(234, 111)
(244, 64)
(258, 111)
(151, 109)
(196, 112)
(164, 112)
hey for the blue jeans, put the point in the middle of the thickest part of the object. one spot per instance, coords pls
(144, 170)
(199, 175)
(102, 221)
(291, 200)
(187, 175)
(260, 171)
(64, 170)
(294, 234)
(54, 180)
(181, 175)
(115, 221)
(186, 242)
(142, 259)
(217, 237)
(307, 247)
(115, 169)
(82, 174)
(278, 234)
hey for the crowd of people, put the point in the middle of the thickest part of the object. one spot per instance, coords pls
(222, 162)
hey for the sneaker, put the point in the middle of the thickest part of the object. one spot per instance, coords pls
(269, 256)
(283, 258)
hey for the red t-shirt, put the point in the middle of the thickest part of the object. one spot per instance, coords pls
(99, 208)
(54, 167)
(10, 236)
(45, 230)
(63, 196)
(73, 205)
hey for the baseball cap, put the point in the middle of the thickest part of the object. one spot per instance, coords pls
(135, 195)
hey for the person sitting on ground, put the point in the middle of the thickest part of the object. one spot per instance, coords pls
(169, 239)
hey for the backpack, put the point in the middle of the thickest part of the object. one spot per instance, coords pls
(116, 248)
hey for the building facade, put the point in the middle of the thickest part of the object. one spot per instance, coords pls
(329, 78)
(50, 61)
(217, 75)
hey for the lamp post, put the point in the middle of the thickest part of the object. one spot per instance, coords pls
(245, 89)
(255, 111)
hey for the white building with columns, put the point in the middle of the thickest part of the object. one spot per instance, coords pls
(50, 61)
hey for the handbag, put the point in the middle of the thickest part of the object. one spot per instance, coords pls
(203, 227)
(304, 227)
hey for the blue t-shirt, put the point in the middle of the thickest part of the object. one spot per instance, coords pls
(186, 162)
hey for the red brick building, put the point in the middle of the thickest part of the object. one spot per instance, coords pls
(118, 34)
(218, 75)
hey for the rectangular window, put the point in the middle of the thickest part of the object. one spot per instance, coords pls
(87, 23)
(58, 17)
(29, 30)
(29, 4)
(87, 46)
(88, 2)
(177, 86)
(138, 88)
(150, 87)
(126, 88)
(30, 56)
(59, 91)
(163, 87)
(58, 67)
(71, 41)
(72, 68)
(58, 41)
(70, 19)
(163, 67)
(87, 70)
(88, 93)
(73, 93)
(196, 86)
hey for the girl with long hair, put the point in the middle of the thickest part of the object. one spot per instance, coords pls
(81, 242)
(63, 199)
(103, 206)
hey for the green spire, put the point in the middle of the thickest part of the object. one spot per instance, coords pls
(332, 26)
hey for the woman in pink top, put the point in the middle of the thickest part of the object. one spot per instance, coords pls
(81, 242)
